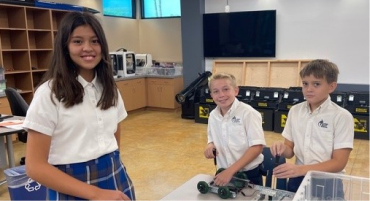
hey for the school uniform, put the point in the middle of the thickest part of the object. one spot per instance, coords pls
(317, 134)
(83, 144)
(233, 133)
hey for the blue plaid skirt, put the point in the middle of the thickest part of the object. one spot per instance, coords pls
(106, 172)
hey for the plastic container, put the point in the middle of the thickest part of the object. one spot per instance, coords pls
(330, 186)
(21, 187)
(164, 71)
(141, 70)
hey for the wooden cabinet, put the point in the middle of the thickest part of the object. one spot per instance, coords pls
(133, 93)
(262, 73)
(4, 106)
(162, 91)
(26, 44)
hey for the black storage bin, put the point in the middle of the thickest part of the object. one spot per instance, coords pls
(187, 97)
(202, 112)
(361, 126)
(291, 97)
(246, 93)
(204, 95)
(280, 118)
(339, 98)
(267, 119)
(357, 102)
(266, 101)
(267, 98)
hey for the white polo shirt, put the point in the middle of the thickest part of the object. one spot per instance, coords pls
(316, 135)
(80, 133)
(233, 133)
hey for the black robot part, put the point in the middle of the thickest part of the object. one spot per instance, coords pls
(188, 97)
(190, 90)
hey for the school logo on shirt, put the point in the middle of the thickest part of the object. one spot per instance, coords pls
(322, 124)
(235, 120)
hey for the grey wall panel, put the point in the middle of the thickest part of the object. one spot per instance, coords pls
(192, 39)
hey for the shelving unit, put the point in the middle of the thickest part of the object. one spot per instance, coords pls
(26, 44)
(262, 73)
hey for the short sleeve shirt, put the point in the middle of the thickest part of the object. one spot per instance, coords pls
(317, 134)
(80, 133)
(236, 131)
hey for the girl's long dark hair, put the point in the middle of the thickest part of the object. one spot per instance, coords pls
(63, 72)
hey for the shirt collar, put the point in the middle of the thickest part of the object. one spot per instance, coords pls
(85, 83)
(323, 105)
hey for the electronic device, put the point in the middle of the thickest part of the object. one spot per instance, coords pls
(144, 60)
(123, 63)
(239, 34)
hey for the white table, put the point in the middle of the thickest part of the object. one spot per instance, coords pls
(8, 132)
(189, 191)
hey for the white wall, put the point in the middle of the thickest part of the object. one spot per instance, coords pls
(337, 30)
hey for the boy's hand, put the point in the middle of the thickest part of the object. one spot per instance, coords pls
(277, 148)
(223, 178)
(208, 152)
(287, 170)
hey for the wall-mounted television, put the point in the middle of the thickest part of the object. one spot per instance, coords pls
(119, 8)
(240, 34)
(155, 9)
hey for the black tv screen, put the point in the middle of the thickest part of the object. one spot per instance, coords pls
(239, 34)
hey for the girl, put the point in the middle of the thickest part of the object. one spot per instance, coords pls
(73, 120)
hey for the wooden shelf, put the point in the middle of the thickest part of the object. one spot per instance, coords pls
(12, 16)
(57, 16)
(26, 44)
(40, 39)
(13, 39)
(16, 60)
(38, 19)
(40, 59)
(262, 73)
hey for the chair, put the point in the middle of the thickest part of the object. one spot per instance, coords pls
(19, 107)
(268, 166)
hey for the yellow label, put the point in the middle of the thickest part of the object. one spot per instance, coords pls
(361, 110)
(262, 104)
(208, 100)
(283, 118)
(203, 112)
(360, 125)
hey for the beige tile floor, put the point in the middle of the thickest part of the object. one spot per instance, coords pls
(162, 151)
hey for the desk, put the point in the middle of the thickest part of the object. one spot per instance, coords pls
(189, 191)
(7, 132)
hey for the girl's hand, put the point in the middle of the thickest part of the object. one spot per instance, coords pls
(104, 194)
